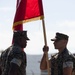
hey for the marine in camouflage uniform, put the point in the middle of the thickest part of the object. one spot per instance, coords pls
(60, 63)
(15, 63)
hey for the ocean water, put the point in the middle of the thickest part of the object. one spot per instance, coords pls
(33, 65)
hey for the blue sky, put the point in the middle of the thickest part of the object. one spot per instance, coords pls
(59, 17)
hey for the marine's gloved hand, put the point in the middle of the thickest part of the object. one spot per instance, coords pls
(45, 49)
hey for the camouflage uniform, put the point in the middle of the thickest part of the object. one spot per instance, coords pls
(17, 56)
(60, 61)
(14, 58)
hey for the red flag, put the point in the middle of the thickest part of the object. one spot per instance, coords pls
(28, 10)
(19, 26)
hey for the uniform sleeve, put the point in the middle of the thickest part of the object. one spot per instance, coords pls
(68, 62)
(17, 57)
(16, 61)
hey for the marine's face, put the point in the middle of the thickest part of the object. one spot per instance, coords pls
(60, 44)
(23, 42)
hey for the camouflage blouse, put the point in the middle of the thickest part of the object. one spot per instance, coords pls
(17, 56)
(60, 61)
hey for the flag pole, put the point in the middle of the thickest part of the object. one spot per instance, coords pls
(44, 32)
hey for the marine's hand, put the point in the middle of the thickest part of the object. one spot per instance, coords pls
(45, 49)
